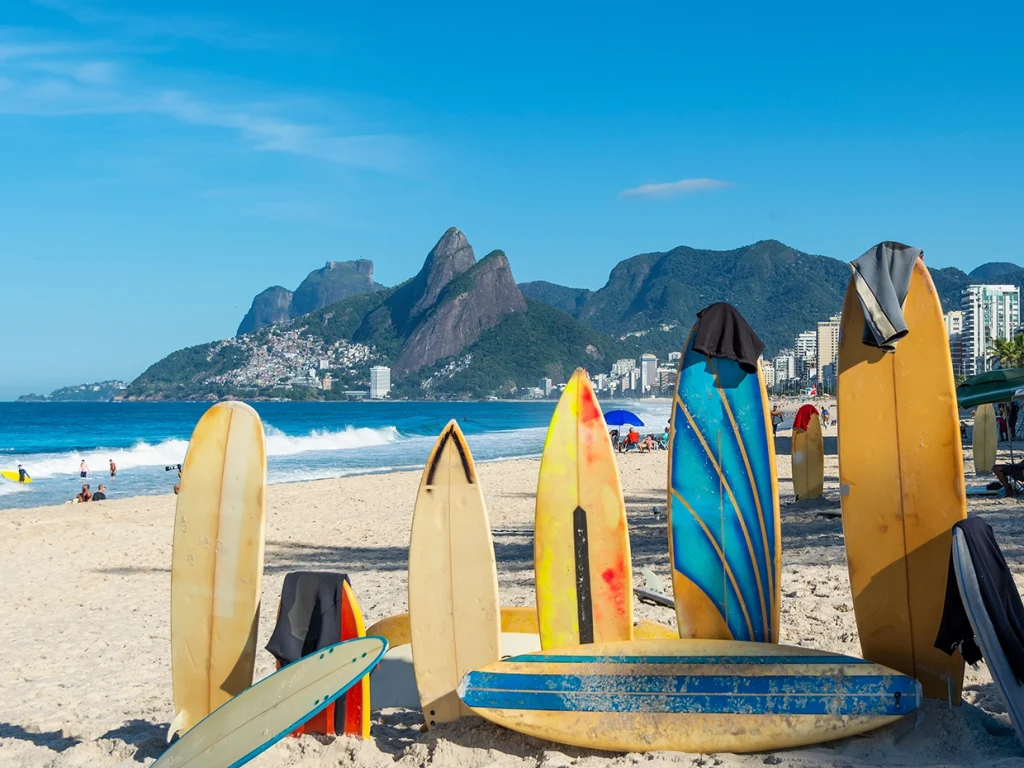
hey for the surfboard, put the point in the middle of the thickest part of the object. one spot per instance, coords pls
(454, 621)
(901, 481)
(1005, 679)
(13, 477)
(514, 620)
(985, 436)
(350, 715)
(723, 503)
(809, 461)
(217, 562)
(584, 576)
(257, 718)
(688, 695)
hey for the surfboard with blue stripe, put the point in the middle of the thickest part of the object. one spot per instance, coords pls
(688, 695)
(723, 503)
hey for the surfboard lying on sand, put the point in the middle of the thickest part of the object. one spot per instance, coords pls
(688, 695)
(581, 546)
(901, 478)
(250, 723)
(217, 562)
(454, 621)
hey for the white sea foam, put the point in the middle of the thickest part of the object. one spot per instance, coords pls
(281, 444)
(7, 488)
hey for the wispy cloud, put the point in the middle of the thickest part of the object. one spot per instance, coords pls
(58, 78)
(673, 188)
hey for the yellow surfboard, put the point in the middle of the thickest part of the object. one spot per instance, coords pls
(13, 476)
(902, 486)
(808, 461)
(584, 575)
(985, 436)
(688, 695)
(217, 562)
(454, 622)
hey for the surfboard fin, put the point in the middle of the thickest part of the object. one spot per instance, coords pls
(176, 723)
(651, 581)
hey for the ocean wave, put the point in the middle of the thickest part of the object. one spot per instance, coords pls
(7, 488)
(139, 455)
(281, 444)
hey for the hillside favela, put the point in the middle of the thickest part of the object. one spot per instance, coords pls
(511, 385)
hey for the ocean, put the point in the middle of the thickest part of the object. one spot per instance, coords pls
(305, 441)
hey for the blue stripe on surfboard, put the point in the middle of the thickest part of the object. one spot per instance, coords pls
(698, 660)
(835, 705)
(695, 479)
(744, 684)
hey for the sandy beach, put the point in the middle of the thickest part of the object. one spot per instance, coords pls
(85, 640)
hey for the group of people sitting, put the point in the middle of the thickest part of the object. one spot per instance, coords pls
(631, 441)
(88, 495)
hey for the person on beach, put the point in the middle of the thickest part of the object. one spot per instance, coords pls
(23, 476)
(101, 493)
(1004, 471)
(83, 470)
(615, 439)
(776, 420)
(1001, 422)
(824, 416)
(1014, 413)
(113, 469)
(177, 485)
(85, 495)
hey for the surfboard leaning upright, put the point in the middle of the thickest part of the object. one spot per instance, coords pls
(984, 439)
(584, 574)
(809, 460)
(901, 481)
(454, 617)
(217, 562)
(723, 503)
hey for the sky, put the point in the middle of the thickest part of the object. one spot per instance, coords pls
(161, 163)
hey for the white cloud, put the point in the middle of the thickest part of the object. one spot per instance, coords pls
(673, 188)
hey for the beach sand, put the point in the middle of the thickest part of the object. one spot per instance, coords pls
(85, 641)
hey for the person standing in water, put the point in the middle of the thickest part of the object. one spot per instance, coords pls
(23, 476)
(83, 469)
(113, 468)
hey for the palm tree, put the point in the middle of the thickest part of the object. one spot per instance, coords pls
(1009, 352)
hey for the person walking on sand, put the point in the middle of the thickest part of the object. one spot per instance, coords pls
(83, 469)
(113, 469)
(23, 476)
(776, 420)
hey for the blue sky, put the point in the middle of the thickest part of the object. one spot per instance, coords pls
(160, 163)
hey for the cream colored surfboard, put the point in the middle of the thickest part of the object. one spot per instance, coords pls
(808, 461)
(217, 562)
(984, 439)
(454, 617)
(901, 476)
(265, 713)
(584, 575)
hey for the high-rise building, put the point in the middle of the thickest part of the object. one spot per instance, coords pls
(648, 372)
(545, 386)
(380, 382)
(805, 348)
(785, 365)
(674, 357)
(990, 312)
(954, 332)
(827, 348)
(768, 371)
(622, 367)
(634, 381)
(666, 378)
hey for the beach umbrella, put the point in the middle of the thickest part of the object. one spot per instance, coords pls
(998, 386)
(622, 418)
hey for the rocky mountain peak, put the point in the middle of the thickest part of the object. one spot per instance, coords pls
(449, 258)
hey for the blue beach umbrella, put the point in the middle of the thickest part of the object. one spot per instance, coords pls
(622, 418)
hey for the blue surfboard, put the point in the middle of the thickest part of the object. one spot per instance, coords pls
(688, 695)
(723, 503)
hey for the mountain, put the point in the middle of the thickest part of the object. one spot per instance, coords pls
(99, 392)
(462, 327)
(557, 296)
(335, 281)
(780, 290)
